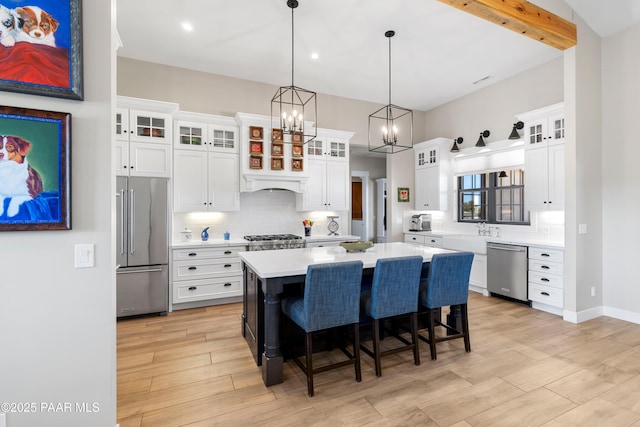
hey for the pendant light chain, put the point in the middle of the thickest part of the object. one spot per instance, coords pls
(390, 68)
(292, 50)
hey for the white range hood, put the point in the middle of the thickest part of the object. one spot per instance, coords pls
(266, 177)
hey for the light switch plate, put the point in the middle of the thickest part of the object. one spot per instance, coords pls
(582, 228)
(85, 256)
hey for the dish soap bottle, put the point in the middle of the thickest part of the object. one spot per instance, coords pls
(205, 234)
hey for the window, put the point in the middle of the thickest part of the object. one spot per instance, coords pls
(493, 197)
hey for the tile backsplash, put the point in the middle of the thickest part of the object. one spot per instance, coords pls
(261, 212)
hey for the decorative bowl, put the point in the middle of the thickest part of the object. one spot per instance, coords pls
(357, 246)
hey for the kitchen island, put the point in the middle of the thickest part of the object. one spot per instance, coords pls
(266, 274)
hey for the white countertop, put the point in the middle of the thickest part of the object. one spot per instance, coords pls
(325, 237)
(293, 262)
(197, 243)
(510, 240)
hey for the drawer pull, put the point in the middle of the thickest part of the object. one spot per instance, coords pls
(227, 252)
(546, 267)
(193, 288)
(546, 294)
(193, 254)
(547, 255)
(193, 268)
(544, 279)
(227, 284)
(433, 241)
(227, 265)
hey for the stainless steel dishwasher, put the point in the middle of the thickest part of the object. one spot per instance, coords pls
(507, 271)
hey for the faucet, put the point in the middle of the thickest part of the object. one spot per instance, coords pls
(478, 225)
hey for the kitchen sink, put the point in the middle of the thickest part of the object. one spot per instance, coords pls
(465, 242)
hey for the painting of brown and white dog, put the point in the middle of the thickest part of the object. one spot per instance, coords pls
(36, 26)
(18, 181)
(8, 26)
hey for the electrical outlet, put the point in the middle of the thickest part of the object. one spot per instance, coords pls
(582, 228)
(593, 291)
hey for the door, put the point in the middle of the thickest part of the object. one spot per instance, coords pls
(357, 218)
(148, 242)
(190, 181)
(224, 182)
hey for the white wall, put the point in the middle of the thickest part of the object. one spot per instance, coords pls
(583, 175)
(621, 175)
(57, 323)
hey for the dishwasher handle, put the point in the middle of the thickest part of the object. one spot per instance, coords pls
(508, 248)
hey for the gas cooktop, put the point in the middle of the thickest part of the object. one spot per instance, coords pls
(267, 237)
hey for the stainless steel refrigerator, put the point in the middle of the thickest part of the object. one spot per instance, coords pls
(142, 285)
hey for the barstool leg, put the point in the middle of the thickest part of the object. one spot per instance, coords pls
(432, 333)
(465, 327)
(414, 337)
(356, 350)
(309, 357)
(376, 347)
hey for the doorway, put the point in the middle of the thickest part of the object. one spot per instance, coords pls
(360, 210)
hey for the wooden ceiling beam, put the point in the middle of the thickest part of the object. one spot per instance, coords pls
(522, 17)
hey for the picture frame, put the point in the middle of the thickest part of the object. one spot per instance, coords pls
(296, 165)
(35, 184)
(277, 135)
(255, 132)
(276, 163)
(297, 150)
(52, 68)
(255, 162)
(277, 149)
(296, 138)
(255, 147)
(403, 194)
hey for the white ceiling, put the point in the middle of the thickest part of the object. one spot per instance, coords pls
(437, 53)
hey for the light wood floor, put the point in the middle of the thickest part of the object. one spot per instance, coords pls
(526, 368)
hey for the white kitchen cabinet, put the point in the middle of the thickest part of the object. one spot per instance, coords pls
(204, 275)
(327, 188)
(544, 158)
(206, 164)
(431, 170)
(544, 168)
(143, 136)
(423, 239)
(478, 276)
(205, 182)
(546, 279)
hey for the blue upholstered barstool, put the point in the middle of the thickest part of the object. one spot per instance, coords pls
(447, 284)
(331, 299)
(394, 292)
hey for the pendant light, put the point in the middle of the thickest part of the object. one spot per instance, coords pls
(391, 127)
(293, 109)
(514, 132)
(483, 134)
(455, 148)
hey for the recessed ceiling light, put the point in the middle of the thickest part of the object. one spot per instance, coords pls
(187, 26)
(314, 55)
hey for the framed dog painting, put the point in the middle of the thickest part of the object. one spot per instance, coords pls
(41, 47)
(35, 181)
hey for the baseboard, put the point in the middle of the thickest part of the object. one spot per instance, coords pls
(582, 316)
(620, 314)
(546, 308)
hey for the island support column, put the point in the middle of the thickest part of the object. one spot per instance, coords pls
(272, 359)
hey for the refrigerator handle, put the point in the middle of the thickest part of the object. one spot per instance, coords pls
(122, 219)
(132, 222)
